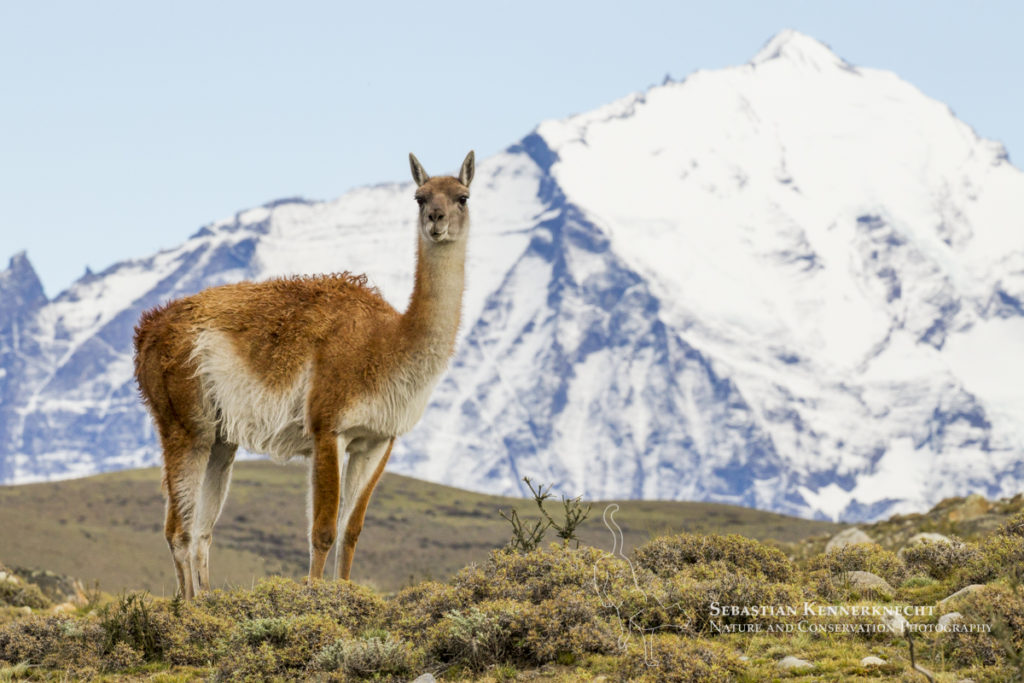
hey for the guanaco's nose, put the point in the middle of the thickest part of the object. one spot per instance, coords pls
(435, 215)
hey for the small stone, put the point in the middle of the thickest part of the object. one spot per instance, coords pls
(847, 537)
(895, 622)
(871, 660)
(744, 658)
(790, 663)
(929, 537)
(64, 608)
(426, 678)
(26, 610)
(946, 619)
(962, 593)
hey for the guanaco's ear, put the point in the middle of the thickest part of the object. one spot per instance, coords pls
(468, 167)
(418, 174)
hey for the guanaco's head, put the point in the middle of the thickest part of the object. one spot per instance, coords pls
(444, 210)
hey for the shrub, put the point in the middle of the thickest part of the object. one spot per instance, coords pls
(193, 635)
(1013, 527)
(568, 625)
(418, 607)
(938, 559)
(276, 646)
(17, 592)
(375, 656)
(345, 602)
(865, 557)
(693, 598)
(273, 630)
(673, 659)
(670, 554)
(122, 656)
(1000, 554)
(54, 642)
(492, 632)
(539, 575)
(1002, 609)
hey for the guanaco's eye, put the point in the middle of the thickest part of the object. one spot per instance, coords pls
(421, 201)
(462, 200)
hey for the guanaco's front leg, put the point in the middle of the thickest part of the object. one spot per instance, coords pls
(362, 472)
(324, 483)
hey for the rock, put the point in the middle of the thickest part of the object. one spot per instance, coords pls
(946, 619)
(867, 581)
(962, 593)
(744, 658)
(871, 660)
(973, 507)
(790, 663)
(847, 537)
(895, 622)
(26, 610)
(928, 536)
(426, 678)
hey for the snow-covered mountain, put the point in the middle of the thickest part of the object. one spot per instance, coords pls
(793, 284)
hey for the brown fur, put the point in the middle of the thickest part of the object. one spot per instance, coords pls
(354, 344)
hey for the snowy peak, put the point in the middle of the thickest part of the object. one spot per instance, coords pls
(20, 288)
(798, 49)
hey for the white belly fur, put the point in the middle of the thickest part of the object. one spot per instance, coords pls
(251, 415)
(262, 420)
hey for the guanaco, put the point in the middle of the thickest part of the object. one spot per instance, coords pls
(312, 366)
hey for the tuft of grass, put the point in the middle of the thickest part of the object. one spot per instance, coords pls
(131, 623)
(14, 672)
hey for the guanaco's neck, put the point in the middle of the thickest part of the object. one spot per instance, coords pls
(431, 323)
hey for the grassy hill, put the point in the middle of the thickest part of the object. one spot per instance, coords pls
(109, 528)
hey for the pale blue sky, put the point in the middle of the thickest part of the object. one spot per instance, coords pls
(125, 126)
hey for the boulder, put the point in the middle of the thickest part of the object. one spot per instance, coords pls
(866, 581)
(895, 622)
(871, 660)
(928, 536)
(962, 593)
(950, 618)
(847, 537)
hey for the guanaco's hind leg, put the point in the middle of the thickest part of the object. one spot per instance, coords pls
(362, 472)
(211, 501)
(184, 461)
